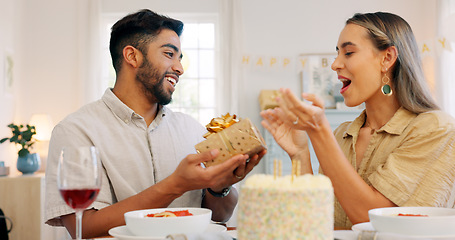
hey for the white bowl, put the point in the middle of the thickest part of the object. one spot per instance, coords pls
(141, 225)
(438, 222)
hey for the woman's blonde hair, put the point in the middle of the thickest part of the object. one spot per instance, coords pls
(385, 30)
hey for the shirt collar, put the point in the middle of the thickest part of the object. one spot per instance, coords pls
(162, 111)
(396, 125)
(118, 107)
(399, 122)
(125, 113)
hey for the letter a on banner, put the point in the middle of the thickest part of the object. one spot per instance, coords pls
(259, 62)
(425, 48)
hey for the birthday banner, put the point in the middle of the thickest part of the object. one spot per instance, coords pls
(435, 47)
(432, 48)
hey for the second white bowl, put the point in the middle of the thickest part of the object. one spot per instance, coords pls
(437, 222)
(141, 225)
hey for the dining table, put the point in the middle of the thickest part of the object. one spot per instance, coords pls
(339, 234)
(232, 232)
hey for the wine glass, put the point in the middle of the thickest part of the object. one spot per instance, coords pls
(79, 179)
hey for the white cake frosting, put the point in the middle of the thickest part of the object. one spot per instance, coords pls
(286, 208)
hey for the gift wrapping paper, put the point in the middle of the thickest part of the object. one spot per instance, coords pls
(240, 138)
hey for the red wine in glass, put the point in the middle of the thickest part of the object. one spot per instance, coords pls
(79, 198)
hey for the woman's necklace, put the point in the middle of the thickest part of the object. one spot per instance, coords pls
(366, 124)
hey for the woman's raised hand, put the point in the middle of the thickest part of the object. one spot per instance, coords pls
(298, 114)
(293, 141)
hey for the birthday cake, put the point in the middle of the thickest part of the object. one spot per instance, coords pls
(288, 207)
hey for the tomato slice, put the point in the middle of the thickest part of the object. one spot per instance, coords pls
(412, 215)
(182, 213)
(172, 213)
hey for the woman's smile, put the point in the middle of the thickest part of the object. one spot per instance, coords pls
(346, 83)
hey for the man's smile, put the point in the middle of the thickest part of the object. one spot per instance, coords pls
(171, 80)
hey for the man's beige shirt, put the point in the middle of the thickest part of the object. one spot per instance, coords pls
(410, 160)
(134, 156)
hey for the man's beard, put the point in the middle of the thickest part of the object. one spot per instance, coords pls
(152, 82)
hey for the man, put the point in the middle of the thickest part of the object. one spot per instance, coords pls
(147, 151)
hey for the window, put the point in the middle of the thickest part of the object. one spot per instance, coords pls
(195, 92)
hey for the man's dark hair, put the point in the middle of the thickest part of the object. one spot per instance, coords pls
(138, 29)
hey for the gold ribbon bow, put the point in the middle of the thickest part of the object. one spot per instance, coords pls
(220, 123)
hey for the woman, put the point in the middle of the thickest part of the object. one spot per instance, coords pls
(400, 150)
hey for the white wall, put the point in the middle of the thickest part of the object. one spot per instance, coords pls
(42, 36)
(160, 6)
(48, 59)
(49, 37)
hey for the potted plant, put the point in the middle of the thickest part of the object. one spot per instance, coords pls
(27, 162)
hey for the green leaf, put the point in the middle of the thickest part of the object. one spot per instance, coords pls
(14, 138)
(27, 136)
(23, 152)
(3, 140)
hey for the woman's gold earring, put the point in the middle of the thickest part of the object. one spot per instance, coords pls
(386, 89)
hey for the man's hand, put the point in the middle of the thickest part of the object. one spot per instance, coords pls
(222, 207)
(246, 168)
(190, 174)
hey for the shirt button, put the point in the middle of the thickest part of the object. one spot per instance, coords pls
(126, 120)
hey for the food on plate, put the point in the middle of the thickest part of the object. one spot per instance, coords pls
(412, 215)
(170, 214)
(287, 207)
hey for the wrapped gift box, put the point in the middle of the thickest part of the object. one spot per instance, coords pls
(239, 138)
(267, 99)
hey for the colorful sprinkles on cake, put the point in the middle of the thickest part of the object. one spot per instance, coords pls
(289, 207)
